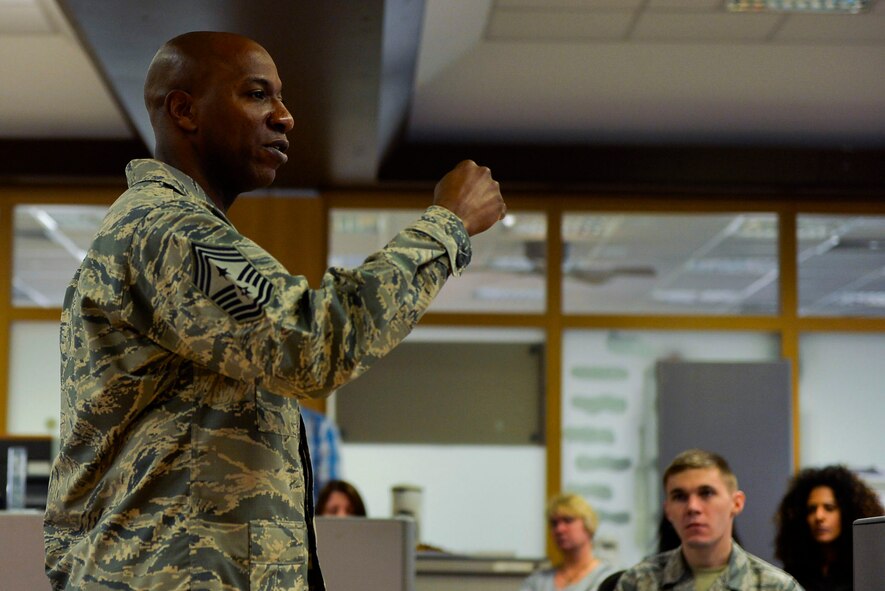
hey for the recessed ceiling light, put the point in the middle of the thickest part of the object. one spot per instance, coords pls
(814, 6)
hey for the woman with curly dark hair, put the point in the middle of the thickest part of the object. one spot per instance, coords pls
(814, 523)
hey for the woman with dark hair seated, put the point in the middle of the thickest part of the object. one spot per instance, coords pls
(340, 499)
(814, 524)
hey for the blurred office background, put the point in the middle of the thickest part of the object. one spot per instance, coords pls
(685, 183)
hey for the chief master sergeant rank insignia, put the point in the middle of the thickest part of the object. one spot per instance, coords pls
(231, 281)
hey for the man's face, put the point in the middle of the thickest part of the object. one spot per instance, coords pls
(242, 122)
(701, 507)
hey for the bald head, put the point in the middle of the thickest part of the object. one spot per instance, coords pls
(216, 106)
(187, 63)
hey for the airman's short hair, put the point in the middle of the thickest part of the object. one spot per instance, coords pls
(698, 459)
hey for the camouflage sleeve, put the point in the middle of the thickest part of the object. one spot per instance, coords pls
(204, 291)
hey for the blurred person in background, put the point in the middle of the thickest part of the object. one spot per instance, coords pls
(814, 523)
(324, 443)
(340, 499)
(573, 524)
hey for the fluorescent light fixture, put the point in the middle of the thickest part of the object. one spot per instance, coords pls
(688, 297)
(814, 6)
(491, 293)
(732, 266)
(871, 299)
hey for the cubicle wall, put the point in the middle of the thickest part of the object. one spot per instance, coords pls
(869, 554)
(21, 551)
(358, 553)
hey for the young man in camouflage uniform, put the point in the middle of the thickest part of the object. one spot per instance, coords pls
(702, 500)
(185, 346)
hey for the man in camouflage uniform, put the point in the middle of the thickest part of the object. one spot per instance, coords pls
(702, 500)
(185, 346)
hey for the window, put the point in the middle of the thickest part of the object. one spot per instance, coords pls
(841, 262)
(507, 272)
(670, 264)
(50, 242)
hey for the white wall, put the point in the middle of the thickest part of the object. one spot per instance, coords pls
(34, 382)
(476, 499)
(842, 400)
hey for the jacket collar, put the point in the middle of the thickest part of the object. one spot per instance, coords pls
(676, 568)
(147, 170)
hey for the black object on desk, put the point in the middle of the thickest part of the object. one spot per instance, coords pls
(39, 459)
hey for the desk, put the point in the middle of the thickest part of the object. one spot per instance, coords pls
(442, 572)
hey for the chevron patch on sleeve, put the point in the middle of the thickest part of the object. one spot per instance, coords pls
(231, 281)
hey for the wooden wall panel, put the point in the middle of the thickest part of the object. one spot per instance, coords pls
(293, 230)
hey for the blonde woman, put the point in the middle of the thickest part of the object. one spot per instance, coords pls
(573, 523)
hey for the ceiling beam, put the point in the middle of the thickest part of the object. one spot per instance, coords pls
(662, 169)
(87, 160)
(347, 69)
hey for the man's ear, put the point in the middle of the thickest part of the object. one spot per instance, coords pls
(738, 499)
(180, 107)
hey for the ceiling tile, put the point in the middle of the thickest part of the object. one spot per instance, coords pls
(57, 73)
(23, 17)
(531, 25)
(713, 27)
(449, 32)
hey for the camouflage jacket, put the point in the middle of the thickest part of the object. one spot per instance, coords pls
(669, 570)
(184, 350)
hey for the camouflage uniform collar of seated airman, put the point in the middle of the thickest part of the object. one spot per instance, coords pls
(677, 570)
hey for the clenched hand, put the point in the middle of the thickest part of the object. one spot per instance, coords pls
(469, 192)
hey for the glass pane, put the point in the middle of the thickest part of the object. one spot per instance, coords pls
(507, 273)
(670, 264)
(497, 373)
(49, 244)
(442, 470)
(34, 402)
(841, 410)
(841, 262)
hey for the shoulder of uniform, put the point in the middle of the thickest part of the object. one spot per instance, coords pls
(768, 574)
(656, 562)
